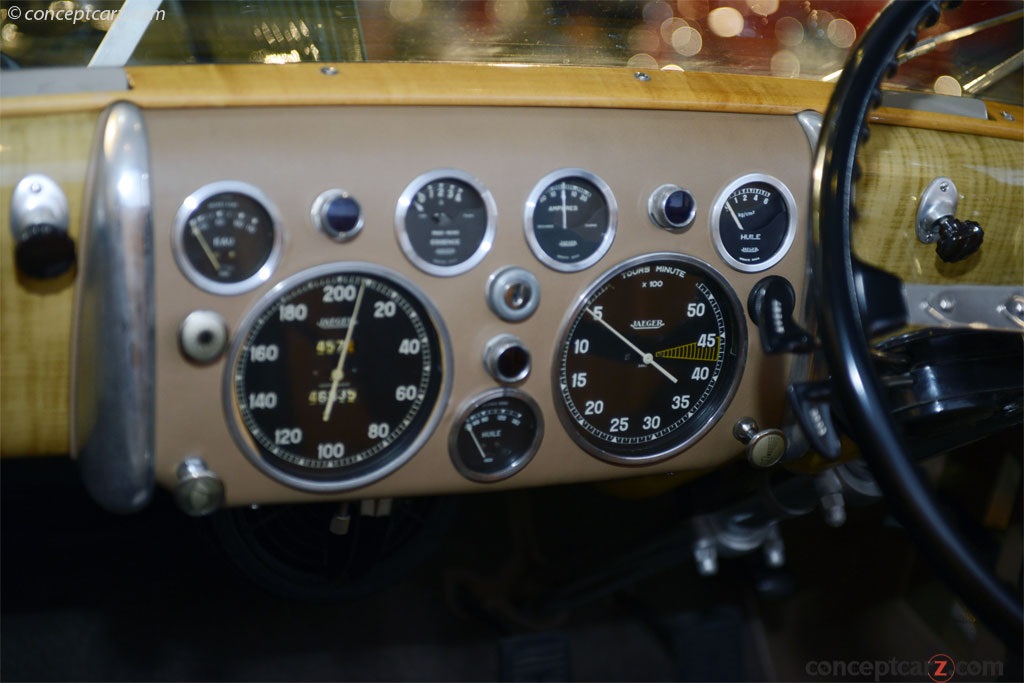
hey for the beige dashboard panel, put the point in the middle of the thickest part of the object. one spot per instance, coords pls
(293, 155)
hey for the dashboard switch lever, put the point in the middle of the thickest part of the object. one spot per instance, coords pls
(771, 305)
(811, 403)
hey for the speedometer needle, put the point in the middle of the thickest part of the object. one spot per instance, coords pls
(647, 358)
(206, 247)
(732, 212)
(338, 373)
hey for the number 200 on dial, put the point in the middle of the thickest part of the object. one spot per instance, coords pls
(651, 356)
(337, 377)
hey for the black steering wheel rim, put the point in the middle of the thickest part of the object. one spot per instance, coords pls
(855, 384)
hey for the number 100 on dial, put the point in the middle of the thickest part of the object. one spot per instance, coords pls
(650, 358)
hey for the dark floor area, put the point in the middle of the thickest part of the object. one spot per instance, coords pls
(496, 594)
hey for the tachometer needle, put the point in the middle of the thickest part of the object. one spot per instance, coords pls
(732, 212)
(206, 247)
(338, 373)
(647, 358)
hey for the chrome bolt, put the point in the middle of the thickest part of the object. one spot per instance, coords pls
(944, 187)
(946, 304)
(641, 76)
(1015, 305)
(1008, 116)
(329, 71)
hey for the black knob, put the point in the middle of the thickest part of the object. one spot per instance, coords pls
(44, 251)
(957, 239)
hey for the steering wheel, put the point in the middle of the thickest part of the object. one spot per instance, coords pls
(844, 318)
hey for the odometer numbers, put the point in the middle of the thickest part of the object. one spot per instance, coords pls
(337, 377)
(649, 359)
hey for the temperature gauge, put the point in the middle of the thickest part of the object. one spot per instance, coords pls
(226, 238)
(495, 435)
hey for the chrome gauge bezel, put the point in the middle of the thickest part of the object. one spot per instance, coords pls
(731, 300)
(402, 232)
(472, 406)
(531, 206)
(189, 206)
(233, 414)
(719, 206)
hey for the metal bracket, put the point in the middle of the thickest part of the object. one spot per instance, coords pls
(939, 200)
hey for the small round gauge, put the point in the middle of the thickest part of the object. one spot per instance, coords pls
(226, 238)
(495, 435)
(570, 219)
(650, 358)
(337, 377)
(445, 222)
(753, 222)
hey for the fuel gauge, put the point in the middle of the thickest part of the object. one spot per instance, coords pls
(495, 435)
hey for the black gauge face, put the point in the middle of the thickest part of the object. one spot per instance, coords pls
(226, 239)
(754, 222)
(570, 220)
(650, 359)
(496, 435)
(445, 222)
(336, 377)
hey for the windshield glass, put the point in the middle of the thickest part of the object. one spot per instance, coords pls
(806, 39)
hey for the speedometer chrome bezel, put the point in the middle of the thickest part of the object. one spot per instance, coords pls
(233, 414)
(731, 301)
(189, 206)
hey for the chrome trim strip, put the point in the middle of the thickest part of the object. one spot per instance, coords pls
(63, 80)
(113, 342)
(811, 121)
(979, 307)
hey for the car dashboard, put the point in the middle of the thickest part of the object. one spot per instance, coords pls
(550, 292)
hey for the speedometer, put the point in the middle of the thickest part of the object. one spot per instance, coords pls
(337, 377)
(650, 358)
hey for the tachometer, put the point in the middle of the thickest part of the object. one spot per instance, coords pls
(337, 377)
(650, 358)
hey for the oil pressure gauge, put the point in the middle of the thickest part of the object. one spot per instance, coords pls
(753, 222)
(226, 237)
(495, 435)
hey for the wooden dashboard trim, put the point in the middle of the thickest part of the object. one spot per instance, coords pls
(459, 84)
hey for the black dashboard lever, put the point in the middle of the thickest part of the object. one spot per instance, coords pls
(812, 405)
(771, 304)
